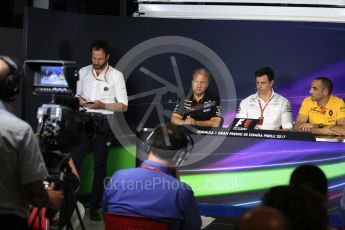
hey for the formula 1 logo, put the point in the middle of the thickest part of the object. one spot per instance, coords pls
(244, 123)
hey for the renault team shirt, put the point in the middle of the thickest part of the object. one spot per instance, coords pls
(208, 107)
(277, 112)
(328, 115)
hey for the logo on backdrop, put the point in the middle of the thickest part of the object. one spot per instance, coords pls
(134, 59)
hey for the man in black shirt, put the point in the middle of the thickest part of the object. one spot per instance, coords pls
(199, 107)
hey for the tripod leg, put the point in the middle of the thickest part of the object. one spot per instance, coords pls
(73, 201)
(65, 212)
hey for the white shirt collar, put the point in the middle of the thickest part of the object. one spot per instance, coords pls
(103, 75)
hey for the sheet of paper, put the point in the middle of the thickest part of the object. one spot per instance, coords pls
(206, 221)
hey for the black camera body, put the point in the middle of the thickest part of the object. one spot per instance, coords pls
(60, 123)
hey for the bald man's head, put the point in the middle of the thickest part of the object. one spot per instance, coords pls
(9, 79)
(262, 218)
(4, 69)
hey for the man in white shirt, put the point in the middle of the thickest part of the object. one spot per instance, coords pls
(272, 109)
(102, 91)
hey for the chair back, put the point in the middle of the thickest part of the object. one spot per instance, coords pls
(115, 221)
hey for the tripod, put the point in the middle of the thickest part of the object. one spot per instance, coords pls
(60, 167)
(68, 207)
(68, 183)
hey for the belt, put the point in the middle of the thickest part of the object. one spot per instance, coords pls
(98, 115)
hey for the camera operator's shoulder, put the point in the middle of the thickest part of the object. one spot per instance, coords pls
(14, 124)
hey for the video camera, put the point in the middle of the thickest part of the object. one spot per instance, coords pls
(60, 126)
(60, 123)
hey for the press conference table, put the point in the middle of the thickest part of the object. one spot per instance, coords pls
(258, 160)
(264, 134)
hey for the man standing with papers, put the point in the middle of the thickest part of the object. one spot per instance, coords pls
(102, 91)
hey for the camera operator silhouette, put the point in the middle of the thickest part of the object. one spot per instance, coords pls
(23, 170)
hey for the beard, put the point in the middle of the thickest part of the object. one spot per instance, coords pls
(99, 67)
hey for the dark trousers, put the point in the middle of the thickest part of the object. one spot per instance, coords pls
(9, 221)
(100, 150)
